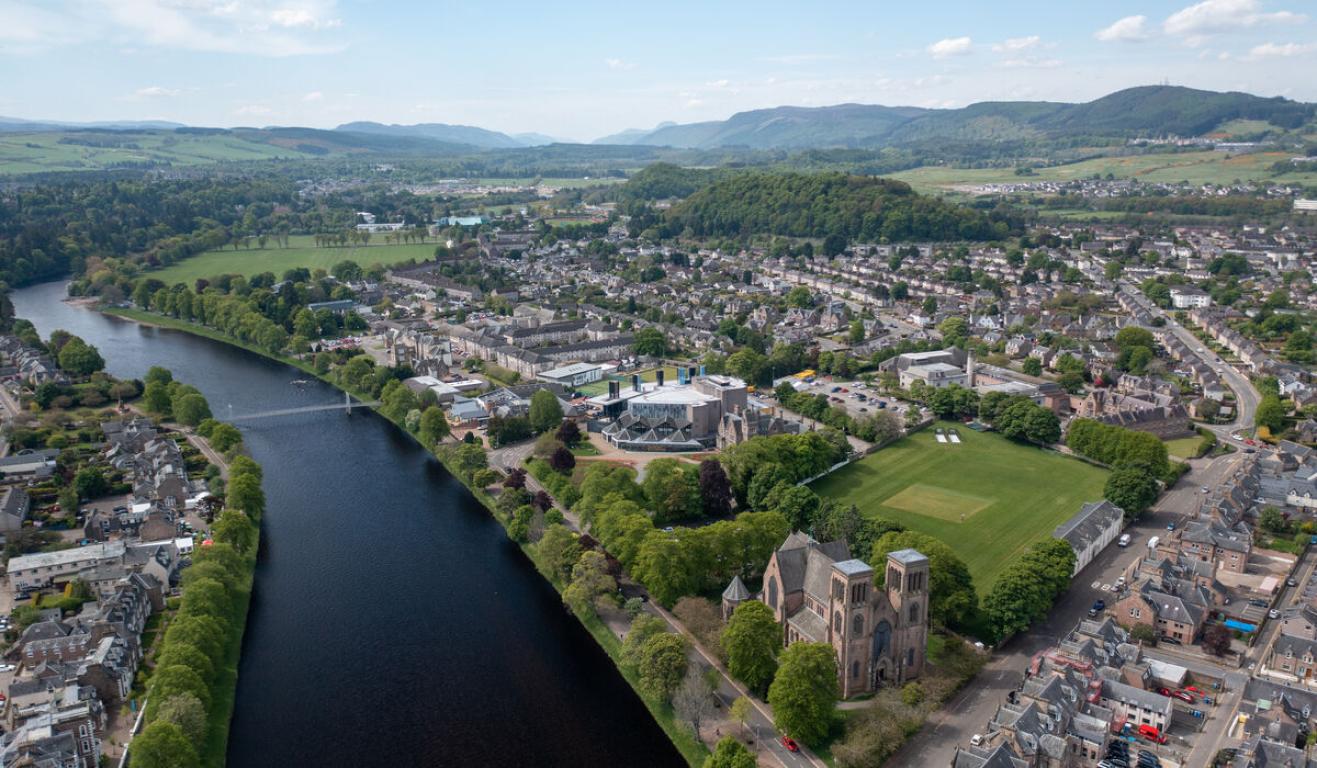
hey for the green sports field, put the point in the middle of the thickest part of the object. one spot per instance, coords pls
(988, 497)
(301, 252)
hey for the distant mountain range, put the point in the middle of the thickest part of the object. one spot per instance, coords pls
(1148, 111)
(19, 125)
(1135, 112)
(481, 138)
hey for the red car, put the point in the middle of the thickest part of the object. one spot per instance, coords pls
(1164, 691)
(1194, 689)
(1184, 696)
(790, 744)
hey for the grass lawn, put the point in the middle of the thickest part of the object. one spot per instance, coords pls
(1184, 447)
(1010, 495)
(301, 252)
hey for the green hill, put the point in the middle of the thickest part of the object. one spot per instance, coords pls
(824, 205)
(1145, 111)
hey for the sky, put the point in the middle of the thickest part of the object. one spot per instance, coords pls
(582, 69)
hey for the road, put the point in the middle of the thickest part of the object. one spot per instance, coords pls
(969, 711)
(761, 721)
(1246, 395)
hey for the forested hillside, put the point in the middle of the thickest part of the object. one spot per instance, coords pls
(823, 204)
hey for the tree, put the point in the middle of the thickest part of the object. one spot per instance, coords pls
(188, 713)
(591, 583)
(191, 409)
(693, 699)
(741, 710)
(156, 398)
(671, 491)
(730, 753)
(235, 528)
(1032, 366)
(1217, 639)
(569, 434)
(164, 745)
(954, 330)
(433, 426)
(80, 358)
(798, 504)
(662, 665)
(751, 641)
(804, 691)
(545, 412)
(715, 489)
(1144, 633)
(800, 297)
(562, 460)
(244, 493)
(158, 375)
(172, 681)
(650, 342)
(643, 628)
(951, 595)
(90, 483)
(1133, 489)
(559, 551)
(1271, 413)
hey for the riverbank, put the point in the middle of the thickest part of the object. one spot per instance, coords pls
(692, 750)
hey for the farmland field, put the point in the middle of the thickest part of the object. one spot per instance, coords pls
(1193, 167)
(24, 153)
(301, 252)
(987, 497)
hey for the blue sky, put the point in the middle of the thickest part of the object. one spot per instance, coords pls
(579, 70)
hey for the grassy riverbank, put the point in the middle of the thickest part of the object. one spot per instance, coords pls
(690, 747)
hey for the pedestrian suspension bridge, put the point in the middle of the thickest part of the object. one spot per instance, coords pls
(347, 406)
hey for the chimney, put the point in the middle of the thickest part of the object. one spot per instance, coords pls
(635, 381)
(969, 370)
(659, 377)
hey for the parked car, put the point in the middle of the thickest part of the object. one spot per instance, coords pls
(1291, 582)
(1164, 691)
(1170, 526)
(1273, 614)
(1259, 602)
(1098, 607)
(790, 744)
(976, 739)
(1124, 540)
(1182, 696)
(1151, 733)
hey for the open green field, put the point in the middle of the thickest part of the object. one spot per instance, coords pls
(1184, 447)
(301, 252)
(24, 153)
(1193, 167)
(1010, 495)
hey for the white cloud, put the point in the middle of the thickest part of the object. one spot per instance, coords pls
(619, 64)
(1280, 50)
(1212, 16)
(802, 58)
(252, 109)
(313, 96)
(254, 27)
(951, 46)
(156, 92)
(303, 18)
(1017, 44)
(1030, 62)
(1127, 29)
(718, 83)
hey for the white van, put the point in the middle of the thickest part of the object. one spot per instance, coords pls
(1124, 540)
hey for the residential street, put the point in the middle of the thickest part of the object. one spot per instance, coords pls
(969, 711)
(1246, 395)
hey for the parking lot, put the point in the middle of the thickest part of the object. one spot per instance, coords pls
(855, 397)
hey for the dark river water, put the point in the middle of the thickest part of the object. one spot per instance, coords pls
(393, 623)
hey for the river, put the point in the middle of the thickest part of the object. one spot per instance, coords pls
(392, 622)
